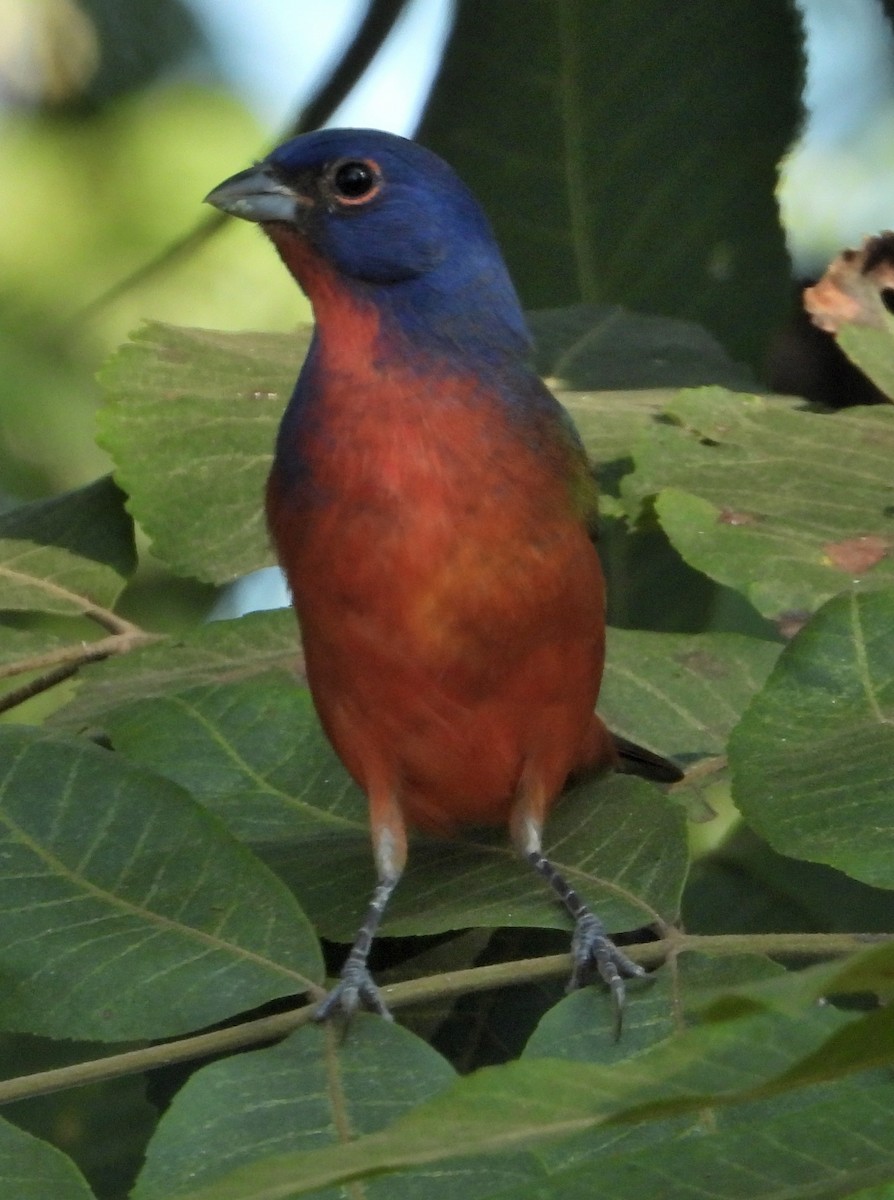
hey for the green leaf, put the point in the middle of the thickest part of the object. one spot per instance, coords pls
(190, 424)
(129, 912)
(252, 751)
(606, 347)
(811, 758)
(313, 1089)
(786, 506)
(220, 651)
(528, 1103)
(631, 191)
(610, 423)
(873, 352)
(743, 886)
(575, 1028)
(820, 1143)
(68, 554)
(869, 971)
(33, 1170)
(681, 694)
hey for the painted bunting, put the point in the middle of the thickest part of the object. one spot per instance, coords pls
(429, 502)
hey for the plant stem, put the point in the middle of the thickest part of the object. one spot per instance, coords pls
(418, 991)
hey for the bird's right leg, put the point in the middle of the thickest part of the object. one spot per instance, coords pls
(356, 987)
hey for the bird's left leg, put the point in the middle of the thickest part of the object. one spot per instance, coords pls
(591, 947)
(356, 987)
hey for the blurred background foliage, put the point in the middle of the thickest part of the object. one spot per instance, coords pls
(116, 118)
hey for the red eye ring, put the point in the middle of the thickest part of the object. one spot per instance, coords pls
(354, 181)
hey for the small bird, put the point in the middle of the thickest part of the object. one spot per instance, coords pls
(430, 502)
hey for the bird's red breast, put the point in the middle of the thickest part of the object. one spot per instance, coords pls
(450, 601)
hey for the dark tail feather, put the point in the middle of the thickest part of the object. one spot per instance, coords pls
(636, 760)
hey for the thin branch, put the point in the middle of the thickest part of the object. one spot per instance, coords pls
(68, 660)
(79, 653)
(419, 991)
(380, 19)
(28, 691)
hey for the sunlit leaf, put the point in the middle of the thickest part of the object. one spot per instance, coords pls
(788, 507)
(190, 424)
(681, 694)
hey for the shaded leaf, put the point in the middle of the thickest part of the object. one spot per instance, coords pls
(811, 758)
(128, 911)
(313, 1089)
(529, 1103)
(761, 496)
(591, 188)
(68, 554)
(746, 887)
(606, 347)
(33, 1170)
(869, 971)
(102, 1127)
(576, 1030)
(820, 1143)
(190, 424)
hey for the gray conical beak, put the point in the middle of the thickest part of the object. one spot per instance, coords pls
(257, 195)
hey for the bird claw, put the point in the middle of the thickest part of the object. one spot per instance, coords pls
(356, 989)
(593, 950)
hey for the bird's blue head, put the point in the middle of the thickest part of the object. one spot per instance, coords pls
(369, 216)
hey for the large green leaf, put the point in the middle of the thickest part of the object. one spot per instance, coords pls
(787, 506)
(190, 425)
(818, 1145)
(634, 156)
(606, 347)
(720, 1064)
(68, 554)
(33, 1170)
(127, 910)
(313, 1089)
(812, 756)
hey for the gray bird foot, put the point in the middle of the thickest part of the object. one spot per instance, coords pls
(356, 989)
(593, 951)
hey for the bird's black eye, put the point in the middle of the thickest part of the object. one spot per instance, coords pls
(355, 180)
